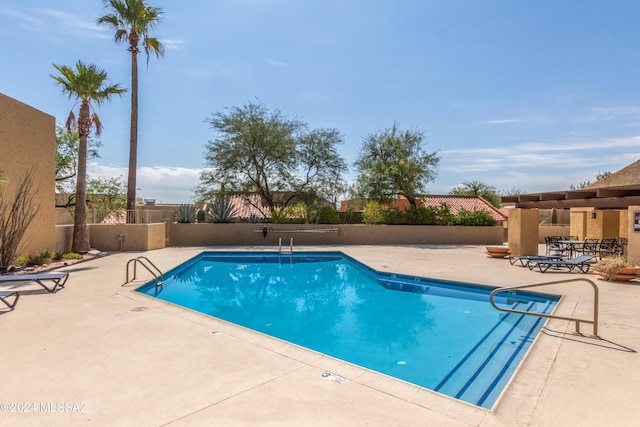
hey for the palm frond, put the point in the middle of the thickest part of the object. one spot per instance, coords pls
(96, 123)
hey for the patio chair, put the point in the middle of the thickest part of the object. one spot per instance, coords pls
(590, 247)
(582, 263)
(554, 247)
(58, 279)
(5, 295)
(608, 247)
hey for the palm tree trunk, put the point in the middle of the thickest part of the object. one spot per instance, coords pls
(133, 141)
(80, 234)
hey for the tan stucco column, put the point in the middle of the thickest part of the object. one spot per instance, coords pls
(523, 231)
(633, 249)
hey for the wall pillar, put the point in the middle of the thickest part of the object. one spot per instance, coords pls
(523, 231)
(578, 222)
(633, 248)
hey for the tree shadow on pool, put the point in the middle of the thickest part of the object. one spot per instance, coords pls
(588, 339)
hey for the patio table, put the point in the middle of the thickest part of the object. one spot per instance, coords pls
(571, 245)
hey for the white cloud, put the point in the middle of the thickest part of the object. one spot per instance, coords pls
(504, 121)
(163, 183)
(172, 44)
(277, 63)
(13, 13)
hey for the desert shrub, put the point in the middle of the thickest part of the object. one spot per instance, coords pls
(443, 215)
(70, 256)
(290, 214)
(185, 214)
(221, 210)
(474, 218)
(420, 216)
(393, 217)
(609, 267)
(328, 215)
(16, 214)
(372, 213)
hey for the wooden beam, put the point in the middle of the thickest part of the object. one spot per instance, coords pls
(600, 203)
(581, 194)
(553, 196)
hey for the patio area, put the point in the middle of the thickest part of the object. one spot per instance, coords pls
(99, 353)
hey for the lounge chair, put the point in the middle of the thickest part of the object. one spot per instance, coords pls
(5, 295)
(58, 279)
(581, 263)
(525, 260)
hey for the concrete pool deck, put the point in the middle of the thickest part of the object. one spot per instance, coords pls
(101, 354)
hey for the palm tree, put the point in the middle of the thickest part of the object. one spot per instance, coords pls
(87, 85)
(132, 20)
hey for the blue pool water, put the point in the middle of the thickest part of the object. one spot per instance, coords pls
(441, 335)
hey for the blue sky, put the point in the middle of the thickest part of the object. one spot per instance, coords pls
(534, 95)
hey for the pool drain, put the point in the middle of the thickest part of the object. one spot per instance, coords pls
(333, 377)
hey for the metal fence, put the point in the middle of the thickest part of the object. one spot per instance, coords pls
(137, 216)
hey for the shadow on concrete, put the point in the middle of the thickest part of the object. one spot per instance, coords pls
(588, 339)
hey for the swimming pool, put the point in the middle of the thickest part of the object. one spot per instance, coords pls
(441, 335)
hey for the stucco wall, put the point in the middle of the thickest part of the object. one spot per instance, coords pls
(27, 137)
(135, 237)
(633, 247)
(349, 234)
(523, 231)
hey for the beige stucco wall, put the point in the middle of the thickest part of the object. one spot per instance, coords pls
(578, 225)
(349, 234)
(607, 224)
(552, 230)
(523, 231)
(633, 248)
(27, 137)
(135, 237)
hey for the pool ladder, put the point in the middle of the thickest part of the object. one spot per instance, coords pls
(149, 266)
(285, 251)
(596, 298)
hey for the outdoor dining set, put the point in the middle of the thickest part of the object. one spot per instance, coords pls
(570, 246)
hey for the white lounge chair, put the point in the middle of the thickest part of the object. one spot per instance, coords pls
(58, 279)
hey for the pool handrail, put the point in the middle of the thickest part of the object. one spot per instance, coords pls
(159, 277)
(596, 298)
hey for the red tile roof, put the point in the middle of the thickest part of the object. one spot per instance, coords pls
(245, 210)
(469, 203)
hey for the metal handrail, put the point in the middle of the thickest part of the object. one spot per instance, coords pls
(596, 292)
(159, 277)
(281, 251)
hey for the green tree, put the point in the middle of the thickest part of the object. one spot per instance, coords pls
(514, 191)
(584, 184)
(67, 144)
(263, 152)
(87, 85)
(132, 20)
(106, 194)
(394, 161)
(478, 188)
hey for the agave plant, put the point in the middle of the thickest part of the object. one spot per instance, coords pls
(221, 210)
(185, 214)
(254, 218)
